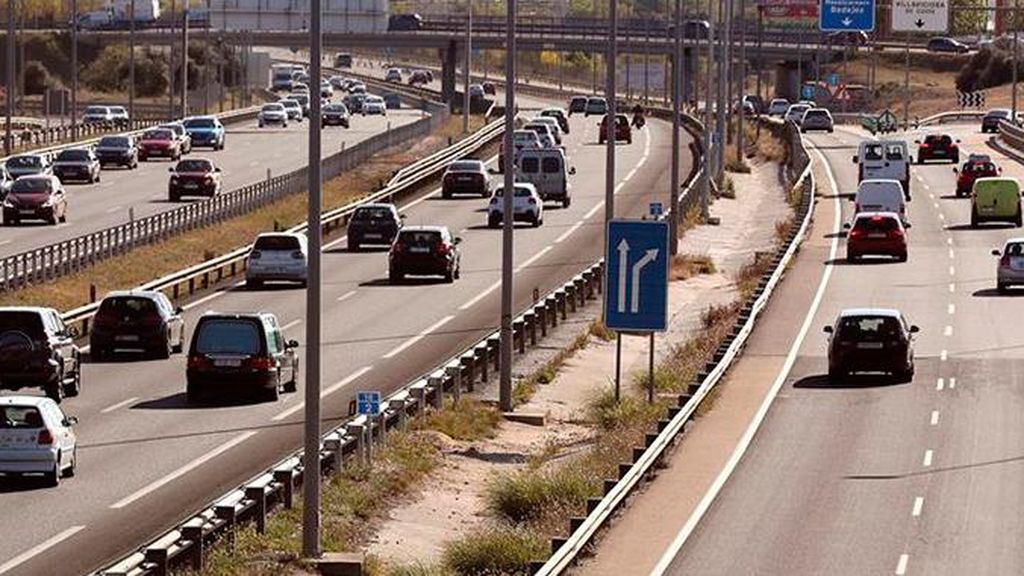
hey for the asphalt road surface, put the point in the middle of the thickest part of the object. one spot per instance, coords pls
(871, 477)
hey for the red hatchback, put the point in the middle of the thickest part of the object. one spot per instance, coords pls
(622, 129)
(877, 234)
(159, 142)
(975, 167)
(938, 147)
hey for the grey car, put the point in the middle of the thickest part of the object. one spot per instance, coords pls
(77, 164)
(816, 119)
(1010, 270)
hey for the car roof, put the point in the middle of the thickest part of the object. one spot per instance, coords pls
(879, 181)
(424, 228)
(152, 294)
(866, 215)
(37, 309)
(1016, 240)
(855, 312)
(212, 314)
(518, 185)
(16, 400)
(376, 205)
(279, 234)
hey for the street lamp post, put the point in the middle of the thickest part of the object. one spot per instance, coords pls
(131, 61)
(505, 353)
(469, 65)
(677, 89)
(8, 136)
(1016, 50)
(184, 58)
(74, 67)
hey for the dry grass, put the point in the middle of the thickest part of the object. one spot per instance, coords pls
(686, 266)
(526, 387)
(466, 420)
(600, 331)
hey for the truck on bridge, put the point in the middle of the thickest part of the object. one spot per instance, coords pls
(117, 15)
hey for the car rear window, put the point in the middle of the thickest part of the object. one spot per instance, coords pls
(228, 336)
(529, 165)
(96, 110)
(73, 156)
(113, 142)
(200, 123)
(25, 161)
(465, 166)
(28, 322)
(934, 139)
(373, 213)
(128, 306)
(861, 328)
(20, 417)
(194, 166)
(273, 107)
(31, 186)
(521, 192)
(277, 243)
(813, 113)
(420, 237)
(551, 165)
(1014, 249)
(158, 135)
(876, 224)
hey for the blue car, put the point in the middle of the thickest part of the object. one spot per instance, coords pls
(205, 131)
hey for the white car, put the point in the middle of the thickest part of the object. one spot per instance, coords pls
(393, 75)
(778, 107)
(816, 119)
(292, 107)
(795, 113)
(119, 114)
(374, 105)
(300, 88)
(277, 256)
(36, 438)
(273, 113)
(552, 124)
(544, 135)
(326, 90)
(97, 114)
(526, 205)
(357, 87)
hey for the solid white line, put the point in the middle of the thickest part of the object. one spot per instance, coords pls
(901, 567)
(942, 216)
(939, 384)
(346, 296)
(949, 241)
(935, 418)
(951, 308)
(748, 435)
(5, 242)
(426, 332)
(619, 187)
(39, 549)
(334, 243)
(943, 355)
(120, 404)
(323, 393)
(184, 469)
(936, 204)
(569, 232)
(918, 505)
(472, 302)
(593, 210)
(531, 260)
(927, 458)
(291, 324)
(948, 331)
(952, 383)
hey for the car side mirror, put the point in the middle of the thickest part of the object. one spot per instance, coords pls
(956, 170)
(457, 240)
(827, 330)
(855, 160)
(217, 169)
(995, 252)
(170, 169)
(179, 310)
(917, 141)
(999, 170)
(957, 140)
(72, 332)
(493, 171)
(846, 226)
(70, 421)
(292, 344)
(572, 170)
(914, 329)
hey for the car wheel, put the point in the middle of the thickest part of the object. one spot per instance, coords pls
(271, 394)
(449, 276)
(974, 218)
(395, 276)
(493, 222)
(253, 284)
(52, 478)
(52, 220)
(73, 388)
(70, 472)
(1017, 220)
(835, 374)
(192, 394)
(537, 221)
(458, 271)
(852, 256)
(353, 246)
(174, 197)
(55, 390)
(162, 352)
(1002, 288)
(566, 201)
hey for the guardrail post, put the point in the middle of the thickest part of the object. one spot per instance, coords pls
(560, 298)
(519, 335)
(333, 444)
(480, 353)
(531, 326)
(492, 345)
(356, 430)
(551, 306)
(435, 382)
(570, 297)
(158, 557)
(284, 478)
(455, 373)
(193, 532)
(226, 513)
(258, 495)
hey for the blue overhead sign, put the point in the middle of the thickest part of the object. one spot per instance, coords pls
(368, 403)
(847, 15)
(636, 276)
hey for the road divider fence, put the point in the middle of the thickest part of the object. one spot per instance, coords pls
(1012, 135)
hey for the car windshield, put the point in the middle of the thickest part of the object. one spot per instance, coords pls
(113, 142)
(96, 110)
(873, 152)
(466, 166)
(870, 328)
(31, 186)
(816, 113)
(273, 108)
(373, 213)
(73, 156)
(30, 323)
(338, 108)
(521, 192)
(228, 336)
(200, 123)
(290, 103)
(24, 162)
(1015, 249)
(277, 242)
(999, 114)
(127, 307)
(17, 417)
(158, 135)
(980, 167)
(194, 166)
(174, 128)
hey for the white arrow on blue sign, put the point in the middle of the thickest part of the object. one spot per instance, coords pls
(636, 276)
(846, 15)
(368, 403)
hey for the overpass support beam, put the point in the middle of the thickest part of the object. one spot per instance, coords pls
(449, 57)
(788, 81)
(690, 60)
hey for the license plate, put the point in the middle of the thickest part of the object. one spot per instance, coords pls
(464, 179)
(126, 338)
(227, 362)
(419, 250)
(28, 211)
(876, 235)
(1017, 262)
(373, 236)
(191, 185)
(869, 345)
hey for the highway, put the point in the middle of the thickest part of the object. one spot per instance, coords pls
(246, 159)
(147, 459)
(869, 477)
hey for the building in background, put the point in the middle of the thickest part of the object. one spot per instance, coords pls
(340, 16)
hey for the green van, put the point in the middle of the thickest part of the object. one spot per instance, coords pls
(996, 200)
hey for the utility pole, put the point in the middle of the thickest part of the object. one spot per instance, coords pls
(1016, 49)
(677, 90)
(8, 136)
(469, 66)
(509, 167)
(74, 66)
(311, 467)
(131, 63)
(723, 76)
(609, 176)
(206, 60)
(184, 59)
(742, 81)
(906, 83)
(170, 65)
(705, 197)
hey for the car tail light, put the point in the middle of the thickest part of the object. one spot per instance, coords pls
(896, 233)
(255, 255)
(198, 362)
(297, 254)
(532, 201)
(45, 437)
(209, 179)
(260, 363)
(925, 145)
(1005, 260)
(856, 233)
(442, 248)
(104, 319)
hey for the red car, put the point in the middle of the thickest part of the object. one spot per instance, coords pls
(877, 234)
(938, 147)
(159, 142)
(622, 129)
(980, 166)
(194, 177)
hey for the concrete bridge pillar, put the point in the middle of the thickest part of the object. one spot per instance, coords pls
(689, 75)
(787, 80)
(449, 56)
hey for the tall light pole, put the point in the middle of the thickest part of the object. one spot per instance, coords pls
(1016, 49)
(469, 65)
(131, 62)
(184, 59)
(170, 63)
(705, 197)
(677, 90)
(206, 60)
(74, 67)
(741, 81)
(8, 137)
(610, 89)
(505, 354)
(311, 470)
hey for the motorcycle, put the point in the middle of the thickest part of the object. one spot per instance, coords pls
(639, 121)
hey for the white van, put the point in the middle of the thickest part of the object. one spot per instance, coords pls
(546, 169)
(881, 195)
(884, 159)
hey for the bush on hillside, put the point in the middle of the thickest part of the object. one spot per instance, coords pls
(986, 68)
(37, 78)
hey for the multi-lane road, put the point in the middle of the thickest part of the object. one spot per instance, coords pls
(147, 458)
(871, 477)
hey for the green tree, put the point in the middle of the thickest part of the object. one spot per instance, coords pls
(967, 21)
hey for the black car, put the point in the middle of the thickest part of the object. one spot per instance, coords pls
(949, 45)
(871, 340)
(119, 151)
(466, 177)
(424, 251)
(559, 115)
(578, 104)
(28, 164)
(354, 102)
(139, 320)
(938, 147)
(77, 164)
(244, 353)
(38, 350)
(405, 22)
(990, 122)
(375, 224)
(335, 115)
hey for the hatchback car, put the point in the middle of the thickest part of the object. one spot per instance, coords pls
(466, 177)
(527, 206)
(778, 107)
(240, 353)
(184, 140)
(373, 224)
(119, 115)
(877, 234)
(77, 164)
(871, 340)
(335, 115)
(273, 114)
(374, 105)
(424, 251)
(552, 124)
(559, 115)
(490, 88)
(1010, 268)
(139, 320)
(578, 105)
(476, 91)
(97, 115)
(326, 89)
(277, 256)
(292, 108)
(816, 119)
(622, 129)
(39, 197)
(354, 102)
(795, 113)
(205, 131)
(28, 164)
(948, 45)
(596, 106)
(193, 177)
(938, 147)
(393, 75)
(977, 166)
(303, 100)
(521, 140)
(119, 151)
(159, 142)
(990, 121)
(418, 77)
(992, 200)
(37, 350)
(36, 438)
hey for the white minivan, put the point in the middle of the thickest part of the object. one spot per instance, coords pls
(884, 159)
(881, 195)
(546, 169)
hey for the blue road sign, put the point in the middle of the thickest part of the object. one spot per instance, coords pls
(368, 403)
(636, 276)
(657, 209)
(846, 15)
(833, 80)
(807, 92)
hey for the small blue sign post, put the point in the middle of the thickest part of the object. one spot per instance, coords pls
(368, 403)
(657, 209)
(847, 15)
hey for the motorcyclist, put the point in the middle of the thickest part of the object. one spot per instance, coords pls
(638, 116)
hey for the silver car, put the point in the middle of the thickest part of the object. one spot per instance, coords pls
(277, 256)
(795, 113)
(292, 107)
(273, 113)
(816, 119)
(36, 438)
(1010, 270)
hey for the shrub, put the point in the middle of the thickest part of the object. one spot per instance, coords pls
(466, 420)
(501, 550)
(531, 494)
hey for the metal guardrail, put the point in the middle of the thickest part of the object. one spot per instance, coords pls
(1011, 134)
(645, 459)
